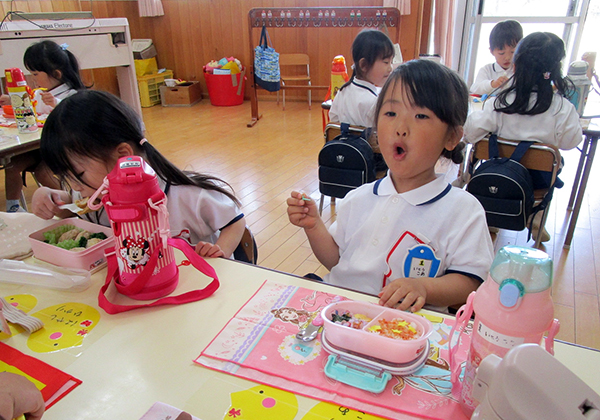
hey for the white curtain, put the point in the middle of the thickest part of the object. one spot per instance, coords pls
(402, 5)
(149, 8)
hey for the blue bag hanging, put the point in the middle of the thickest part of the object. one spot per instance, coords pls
(266, 64)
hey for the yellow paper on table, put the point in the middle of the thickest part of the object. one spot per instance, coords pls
(329, 411)
(65, 326)
(23, 302)
(262, 402)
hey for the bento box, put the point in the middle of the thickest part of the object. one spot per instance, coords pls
(372, 331)
(90, 259)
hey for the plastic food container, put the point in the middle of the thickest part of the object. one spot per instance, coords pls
(91, 259)
(8, 112)
(372, 345)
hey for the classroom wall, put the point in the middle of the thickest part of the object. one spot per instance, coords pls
(193, 32)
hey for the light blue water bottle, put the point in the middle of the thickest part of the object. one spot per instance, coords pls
(577, 74)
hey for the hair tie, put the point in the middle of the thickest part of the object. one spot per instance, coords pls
(142, 141)
(547, 75)
(64, 46)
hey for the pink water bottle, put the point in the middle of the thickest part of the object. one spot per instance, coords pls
(513, 306)
(137, 209)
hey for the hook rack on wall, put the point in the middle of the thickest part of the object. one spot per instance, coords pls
(315, 17)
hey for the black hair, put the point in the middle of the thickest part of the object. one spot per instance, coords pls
(92, 124)
(370, 45)
(537, 69)
(433, 86)
(49, 57)
(507, 32)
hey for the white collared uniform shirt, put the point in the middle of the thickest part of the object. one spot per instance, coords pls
(558, 126)
(488, 73)
(374, 223)
(59, 92)
(355, 104)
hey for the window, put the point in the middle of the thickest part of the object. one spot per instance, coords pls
(564, 18)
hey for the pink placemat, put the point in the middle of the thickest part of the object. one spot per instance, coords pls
(259, 344)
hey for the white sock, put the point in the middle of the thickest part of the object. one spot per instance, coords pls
(10, 203)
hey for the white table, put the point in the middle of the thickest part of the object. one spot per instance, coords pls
(16, 143)
(131, 360)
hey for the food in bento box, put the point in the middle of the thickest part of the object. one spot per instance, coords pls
(347, 319)
(398, 329)
(83, 205)
(73, 238)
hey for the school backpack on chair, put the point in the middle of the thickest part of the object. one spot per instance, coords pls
(345, 163)
(504, 188)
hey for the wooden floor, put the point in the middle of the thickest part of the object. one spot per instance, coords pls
(279, 154)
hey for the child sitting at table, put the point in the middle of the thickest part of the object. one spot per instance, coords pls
(534, 106)
(503, 41)
(55, 71)
(410, 237)
(83, 147)
(354, 103)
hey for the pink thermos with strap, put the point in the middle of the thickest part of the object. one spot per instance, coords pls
(137, 209)
(513, 306)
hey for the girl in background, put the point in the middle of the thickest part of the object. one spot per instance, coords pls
(56, 72)
(82, 148)
(534, 106)
(372, 53)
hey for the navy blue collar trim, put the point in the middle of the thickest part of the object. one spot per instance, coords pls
(439, 196)
(433, 200)
(364, 87)
(376, 185)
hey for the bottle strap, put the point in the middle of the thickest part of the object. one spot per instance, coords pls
(192, 296)
(140, 281)
(549, 341)
(463, 315)
(103, 189)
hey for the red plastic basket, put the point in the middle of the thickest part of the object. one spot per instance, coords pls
(225, 89)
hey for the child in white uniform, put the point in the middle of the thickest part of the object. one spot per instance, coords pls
(503, 41)
(372, 52)
(55, 69)
(411, 238)
(82, 148)
(534, 107)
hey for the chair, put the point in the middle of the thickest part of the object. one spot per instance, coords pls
(325, 107)
(247, 250)
(332, 130)
(539, 157)
(294, 62)
(22, 198)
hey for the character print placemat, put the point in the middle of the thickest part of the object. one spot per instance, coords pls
(259, 343)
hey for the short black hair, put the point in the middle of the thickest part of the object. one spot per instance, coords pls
(370, 45)
(433, 86)
(507, 32)
(49, 57)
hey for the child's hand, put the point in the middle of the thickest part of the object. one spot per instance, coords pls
(410, 292)
(499, 81)
(302, 211)
(45, 202)
(19, 396)
(4, 100)
(206, 249)
(49, 99)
